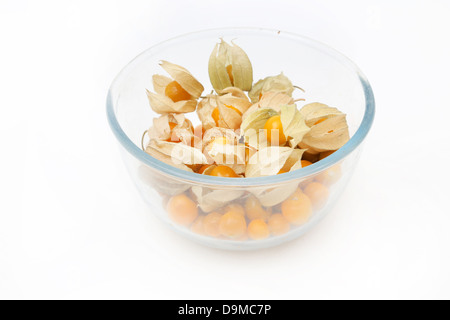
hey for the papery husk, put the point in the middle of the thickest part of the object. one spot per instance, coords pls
(316, 111)
(184, 78)
(218, 61)
(294, 126)
(208, 170)
(297, 165)
(214, 133)
(210, 199)
(257, 119)
(253, 108)
(161, 128)
(242, 68)
(229, 154)
(205, 109)
(185, 136)
(162, 104)
(160, 83)
(270, 100)
(229, 118)
(235, 92)
(269, 161)
(279, 83)
(293, 162)
(242, 104)
(224, 55)
(252, 127)
(159, 182)
(274, 100)
(272, 197)
(320, 139)
(222, 146)
(250, 152)
(310, 151)
(179, 153)
(165, 158)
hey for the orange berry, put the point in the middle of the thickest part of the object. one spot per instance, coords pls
(297, 209)
(258, 229)
(306, 163)
(216, 113)
(211, 224)
(317, 193)
(173, 137)
(176, 92)
(254, 210)
(235, 208)
(230, 73)
(330, 176)
(232, 225)
(182, 210)
(224, 172)
(203, 168)
(198, 226)
(278, 224)
(325, 154)
(274, 123)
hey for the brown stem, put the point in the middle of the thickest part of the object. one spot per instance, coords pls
(299, 88)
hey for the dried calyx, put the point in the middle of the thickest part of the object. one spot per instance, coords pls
(261, 133)
(222, 147)
(171, 127)
(223, 111)
(271, 160)
(279, 83)
(229, 66)
(261, 126)
(178, 94)
(329, 128)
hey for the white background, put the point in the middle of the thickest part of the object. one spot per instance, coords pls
(73, 226)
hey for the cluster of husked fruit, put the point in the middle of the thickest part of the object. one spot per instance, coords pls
(246, 130)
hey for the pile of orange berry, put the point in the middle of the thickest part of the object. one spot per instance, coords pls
(242, 121)
(247, 219)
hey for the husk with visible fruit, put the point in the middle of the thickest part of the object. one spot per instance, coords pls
(232, 55)
(162, 104)
(279, 83)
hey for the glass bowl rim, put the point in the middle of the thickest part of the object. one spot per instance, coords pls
(192, 177)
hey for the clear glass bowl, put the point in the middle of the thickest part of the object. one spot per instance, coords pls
(326, 75)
